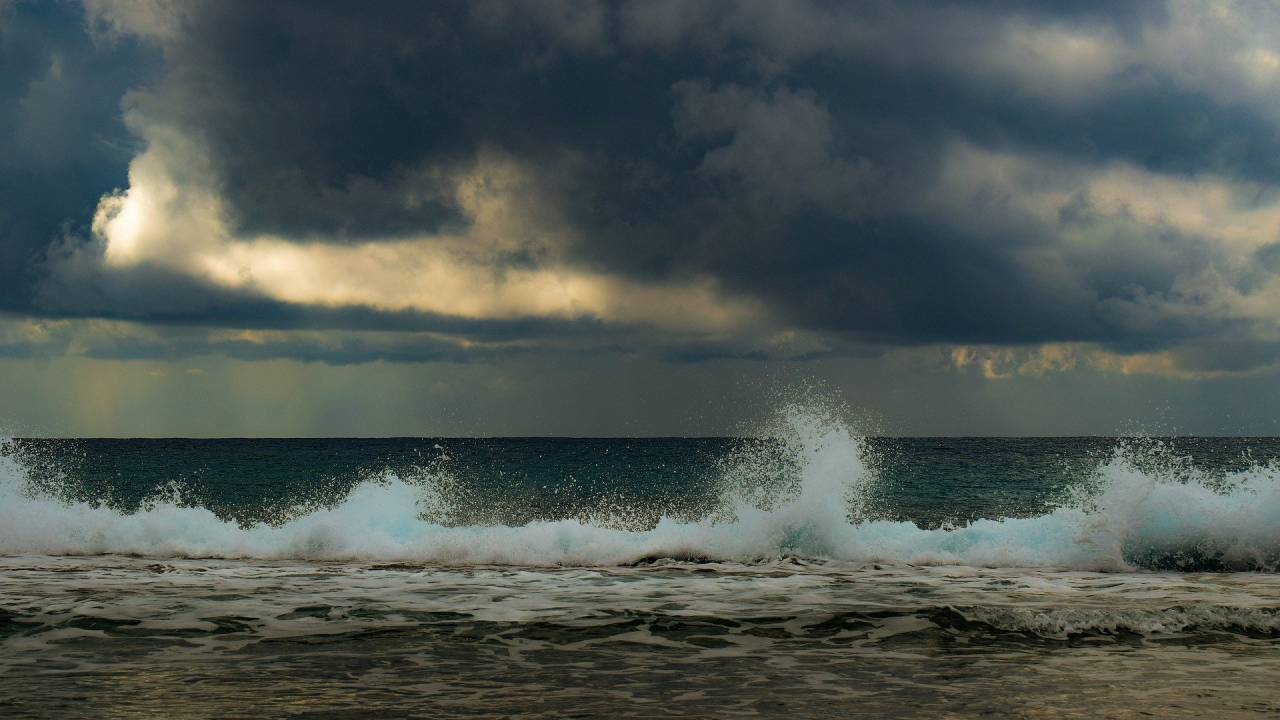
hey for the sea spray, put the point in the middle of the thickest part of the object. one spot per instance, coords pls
(806, 487)
(801, 483)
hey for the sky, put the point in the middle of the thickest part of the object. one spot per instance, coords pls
(650, 217)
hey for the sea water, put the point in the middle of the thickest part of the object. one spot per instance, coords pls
(805, 571)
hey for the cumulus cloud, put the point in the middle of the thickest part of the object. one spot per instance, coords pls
(779, 148)
(1154, 250)
(715, 179)
(61, 140)
(506, 263)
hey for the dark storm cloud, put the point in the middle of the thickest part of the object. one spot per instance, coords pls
(317, 116)
(62, 143)
(795, 152)
(130, 296)
(344, 350)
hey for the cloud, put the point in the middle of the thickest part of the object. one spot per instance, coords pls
(29, 338)
(507, 263)
(780, 148)
(694, 179)
(61, 141)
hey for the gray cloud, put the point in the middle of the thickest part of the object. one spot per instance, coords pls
(893, 174)
(779, 149)
(62, 143)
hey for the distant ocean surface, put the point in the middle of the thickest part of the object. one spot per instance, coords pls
(803, 572)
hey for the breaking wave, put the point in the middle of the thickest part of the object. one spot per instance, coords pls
(1128, 515)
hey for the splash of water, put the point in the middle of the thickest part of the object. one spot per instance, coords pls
(804, 490)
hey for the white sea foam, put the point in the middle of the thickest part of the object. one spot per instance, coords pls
(1137, 518)
(1068, 621)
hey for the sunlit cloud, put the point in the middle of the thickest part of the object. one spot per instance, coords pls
(976, 196)
(507, 263)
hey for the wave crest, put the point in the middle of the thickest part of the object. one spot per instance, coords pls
(804, 490)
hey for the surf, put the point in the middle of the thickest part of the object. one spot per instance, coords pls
(807, 486)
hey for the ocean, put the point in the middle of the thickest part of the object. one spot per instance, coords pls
(803, 570)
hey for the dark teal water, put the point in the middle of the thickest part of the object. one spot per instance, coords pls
(811, 574)
(930, 481)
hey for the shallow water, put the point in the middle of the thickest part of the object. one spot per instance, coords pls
(807, 573)
(114, 636)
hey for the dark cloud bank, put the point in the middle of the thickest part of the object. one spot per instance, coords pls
(62, 139)
(830, 160)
